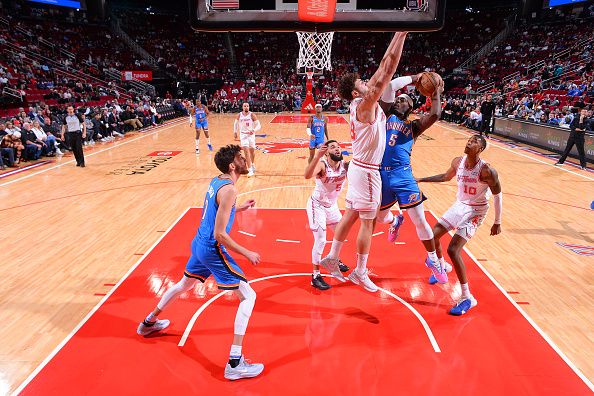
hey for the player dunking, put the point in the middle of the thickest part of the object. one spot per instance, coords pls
(210, 256)
(322, 210)
(475, 178)
(248, 124)
(368, 132)
(317, 128)
(398, 182)
(201, 112)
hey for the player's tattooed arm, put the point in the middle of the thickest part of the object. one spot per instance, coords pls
(443, 177)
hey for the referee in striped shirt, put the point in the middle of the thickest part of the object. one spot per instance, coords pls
(76, 130)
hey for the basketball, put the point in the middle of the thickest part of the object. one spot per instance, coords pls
(428, 83)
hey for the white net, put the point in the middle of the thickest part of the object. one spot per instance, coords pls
(314, 51)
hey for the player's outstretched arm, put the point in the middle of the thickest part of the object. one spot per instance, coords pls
(315, 167)
(490, 176)
(381, 78)
(389, 95)
(423, 123)
(447, 176)
(226, 199)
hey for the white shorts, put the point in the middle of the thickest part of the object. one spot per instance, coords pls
(364, 192)
(465, 219)
(247, 139)
(320, 216)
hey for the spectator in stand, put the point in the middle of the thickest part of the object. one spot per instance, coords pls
(577, 138)
(131, 119)
(5, 149)
(487, 110)
(33, 147)
(47, 148)
(115, 123)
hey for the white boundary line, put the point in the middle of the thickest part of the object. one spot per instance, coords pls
(498, 145)
(202, 308)
(99, 304)
(528, 318)
(287, 241)
(118, 144)
(246, 233)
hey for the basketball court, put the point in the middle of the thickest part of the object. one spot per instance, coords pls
(111, 238)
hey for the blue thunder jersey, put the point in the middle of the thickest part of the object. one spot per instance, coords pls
(200, 114)
(399, 142)
(205, 232)
(318, 127)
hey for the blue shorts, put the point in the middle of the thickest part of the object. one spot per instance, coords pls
(400, 186)
(215, 260)
(203, 124)
(317, 142)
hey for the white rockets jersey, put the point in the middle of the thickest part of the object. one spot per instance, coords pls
(472, 191)
(328, 187)
(246, 124)
(369, 140)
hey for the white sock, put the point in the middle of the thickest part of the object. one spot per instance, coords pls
(235, 352)
(335, 249)
(433, 256)
(197, 143)
(151, 318)
(465, 290)
(361, 263)
(208, 140)
(390, 218)
(316, 273)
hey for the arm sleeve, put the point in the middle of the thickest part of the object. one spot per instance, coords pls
(395, 85)
(498, 201)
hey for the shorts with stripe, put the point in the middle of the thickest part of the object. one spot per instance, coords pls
(316, 142)
(365, 189)
(213, 258)
(400, 187)
(465, 219)
(203, 124)
(320, 216)
(247, 139)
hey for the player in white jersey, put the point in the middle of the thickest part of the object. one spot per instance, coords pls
(476, 180)
(322, 210)
(368, 132)
(247, 124)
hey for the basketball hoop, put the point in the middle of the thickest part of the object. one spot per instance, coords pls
(314, 52)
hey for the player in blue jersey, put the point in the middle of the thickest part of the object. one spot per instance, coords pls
(201, 113)
(398, 183)
(317, 129)
(210, 257)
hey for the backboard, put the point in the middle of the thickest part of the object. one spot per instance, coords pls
(350, 16)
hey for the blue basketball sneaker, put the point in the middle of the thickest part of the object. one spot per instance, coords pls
(463, 306)
(209, 146)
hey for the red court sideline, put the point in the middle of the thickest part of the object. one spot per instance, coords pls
(342, 341)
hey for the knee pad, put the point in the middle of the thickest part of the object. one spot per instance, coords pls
(244, 311)
(417, 216)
